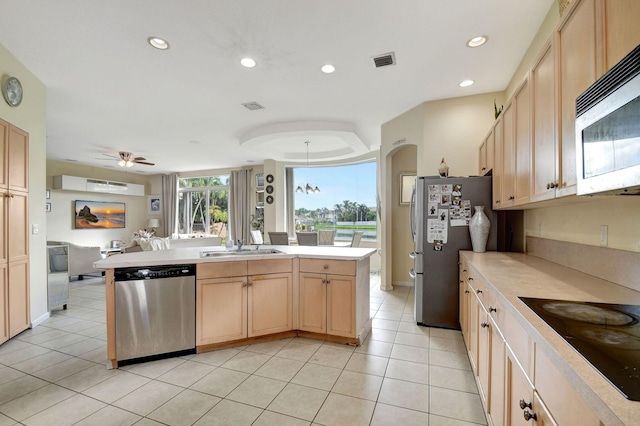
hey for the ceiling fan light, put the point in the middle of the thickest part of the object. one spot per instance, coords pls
(299, 189)
(129, 163)
(122, 163)
(316, 190)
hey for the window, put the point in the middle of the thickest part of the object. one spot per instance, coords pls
(346, 202)
(203, 205)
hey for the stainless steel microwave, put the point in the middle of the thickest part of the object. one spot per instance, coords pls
(608, 132)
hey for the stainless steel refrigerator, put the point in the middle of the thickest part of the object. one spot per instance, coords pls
(440, 213)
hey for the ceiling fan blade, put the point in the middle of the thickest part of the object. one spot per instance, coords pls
(144, 162)
(139, 159)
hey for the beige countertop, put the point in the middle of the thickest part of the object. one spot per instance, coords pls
(516, 275)
(190, 255)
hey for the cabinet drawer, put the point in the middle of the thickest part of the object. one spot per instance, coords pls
(564, 403)
(270, 266)
(221, 269)
(323, 266)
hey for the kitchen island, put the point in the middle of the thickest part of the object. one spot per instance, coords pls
(258, 295)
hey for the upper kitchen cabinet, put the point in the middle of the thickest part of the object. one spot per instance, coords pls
(577, 69)
(485, 159)
(496, 137)
(508, 157)
(522, 143)
(621, 30)
(545, 171)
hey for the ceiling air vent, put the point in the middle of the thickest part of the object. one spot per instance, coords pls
(384, 60)
(252, 106)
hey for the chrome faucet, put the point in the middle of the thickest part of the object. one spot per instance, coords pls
(240, 244)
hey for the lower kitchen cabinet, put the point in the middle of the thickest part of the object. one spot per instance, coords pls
(4, 321)
(502, 360)
(234, 308)
(328, 300)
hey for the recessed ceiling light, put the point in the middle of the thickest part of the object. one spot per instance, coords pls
(466, 83)
(158, 43)
(328, 68)
(248, 62)
(477, 41)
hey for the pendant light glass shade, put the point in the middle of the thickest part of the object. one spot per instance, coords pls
(308, 188)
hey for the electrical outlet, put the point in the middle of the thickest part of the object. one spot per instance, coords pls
(34, 229)
(604, 235)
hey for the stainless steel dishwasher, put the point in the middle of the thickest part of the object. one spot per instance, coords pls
(155, 311)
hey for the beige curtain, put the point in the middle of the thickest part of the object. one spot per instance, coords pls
(239, 206)
(170, 204)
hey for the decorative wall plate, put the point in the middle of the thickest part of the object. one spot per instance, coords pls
(269, 189)
(269, 199)
(269, 178)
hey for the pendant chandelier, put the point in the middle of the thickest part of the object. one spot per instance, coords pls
(308, 188)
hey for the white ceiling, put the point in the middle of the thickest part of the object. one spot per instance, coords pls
(109, 91)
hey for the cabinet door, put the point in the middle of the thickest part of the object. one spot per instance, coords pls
(508, 157)
(484, 355)
(482, 159)
(496, 136)
(545, 167)
(496, 376)
(313, 303)
(221, 310)
(464, 307)
(18, 297)
(4, 200)
(622, 32)
(4, 144)
(18, 159)
(341, 303)
(270, 304)
(518, 389)
(4, 321)
(522, 131)
(576, 41)
(17, 227)
(473, 324)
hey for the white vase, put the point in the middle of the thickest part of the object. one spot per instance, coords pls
(479, 226)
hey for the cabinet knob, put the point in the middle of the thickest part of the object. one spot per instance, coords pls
(479, 291)
(326, 266)
(492, 309)
(528, 416)
(484, 168)
(470, 278)
(484, 325)
(524, 405)
(464, 270)
(497, 201)
(466, 292)
(250, 283)
(328, 281)
(512, 197)
(244, 284)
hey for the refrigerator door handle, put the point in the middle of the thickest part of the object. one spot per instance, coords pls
(412, 213)
(412, 274)
(412, 255)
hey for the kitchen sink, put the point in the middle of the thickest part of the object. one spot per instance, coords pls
(241, 252)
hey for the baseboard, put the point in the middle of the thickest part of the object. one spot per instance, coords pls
(403, 283)
(40, 320)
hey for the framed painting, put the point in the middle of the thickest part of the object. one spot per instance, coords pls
(154, 204)
(407, 181)
(99, 214)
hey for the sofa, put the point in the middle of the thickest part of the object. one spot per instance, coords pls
(158, 243)
(81, 259)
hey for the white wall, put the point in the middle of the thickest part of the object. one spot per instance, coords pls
(30, 116)
(60, 220)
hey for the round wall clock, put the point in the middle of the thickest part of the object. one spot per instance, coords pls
(269, 178)
(269, 189)
(12, 91)
(269, 199)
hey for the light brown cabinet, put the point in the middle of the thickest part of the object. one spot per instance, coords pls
(516, 381)
(545, 173)
(243, 305)
(328, 297)
(522, 144)
(507, 187)
(621, 32)
(14, 244)
(496, 136)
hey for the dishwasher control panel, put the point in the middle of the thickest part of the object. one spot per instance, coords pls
(154, 272)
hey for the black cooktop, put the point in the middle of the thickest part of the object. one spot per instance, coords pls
(606, 335)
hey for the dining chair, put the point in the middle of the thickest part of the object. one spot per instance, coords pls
(279, 238)
(307, 238)
(357, 236)
(326, 237)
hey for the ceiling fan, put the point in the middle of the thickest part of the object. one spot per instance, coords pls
(126, 159)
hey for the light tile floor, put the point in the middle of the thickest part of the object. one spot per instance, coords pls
(403, 374)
